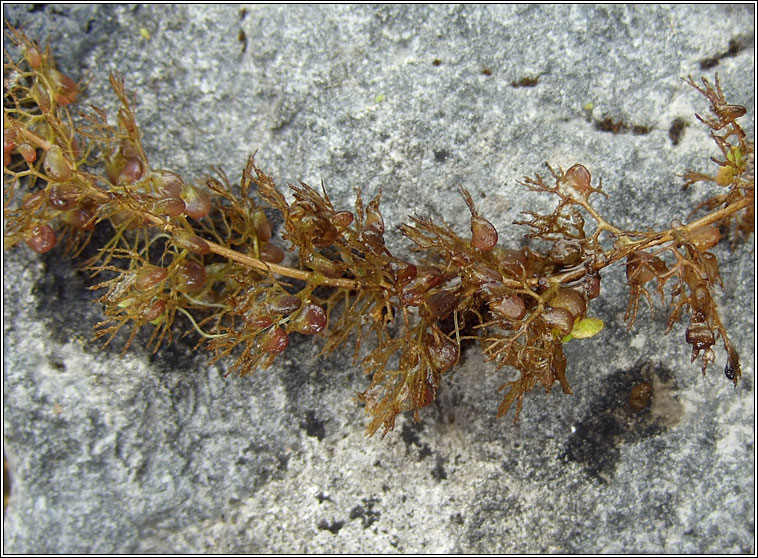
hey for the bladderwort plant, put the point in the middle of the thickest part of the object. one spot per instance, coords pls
(203, 257)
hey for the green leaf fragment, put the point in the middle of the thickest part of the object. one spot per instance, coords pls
(735, 156)
(585, 328)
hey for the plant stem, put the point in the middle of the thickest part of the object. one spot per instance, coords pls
(657, 240)
(353, 284)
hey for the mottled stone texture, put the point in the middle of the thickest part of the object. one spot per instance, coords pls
(163, 453)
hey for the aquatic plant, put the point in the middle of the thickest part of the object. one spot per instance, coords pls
(203, 257)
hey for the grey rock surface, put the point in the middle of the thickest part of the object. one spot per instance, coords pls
(163, 453)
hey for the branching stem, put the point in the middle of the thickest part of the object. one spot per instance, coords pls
(661, 238)
(352, 284)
